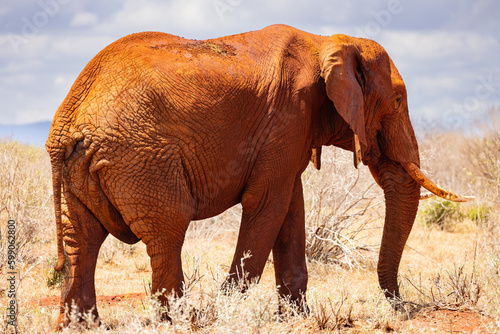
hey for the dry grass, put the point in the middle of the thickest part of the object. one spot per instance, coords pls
(24, 194)
(455, 267)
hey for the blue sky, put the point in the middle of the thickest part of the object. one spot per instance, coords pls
(448, 51)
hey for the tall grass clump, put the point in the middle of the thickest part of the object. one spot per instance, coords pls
(484, 153)
(25, 197)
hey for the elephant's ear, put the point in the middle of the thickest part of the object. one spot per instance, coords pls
(339, 59)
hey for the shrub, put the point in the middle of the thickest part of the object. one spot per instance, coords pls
(459, 289)
(53, 278)
(440, 213)
(484, 154)
(446, 215)
(25, 197)
(480, 213)
(342, 203)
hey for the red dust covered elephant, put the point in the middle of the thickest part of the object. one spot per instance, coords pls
(158, 131)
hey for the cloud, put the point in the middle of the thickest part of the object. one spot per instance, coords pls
(440, 45)
(175, 16)
(444, 71)
(3, 9)
(84, 19)
(74, 49)
(441, 48)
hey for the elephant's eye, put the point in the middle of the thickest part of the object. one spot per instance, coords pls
(397, 102)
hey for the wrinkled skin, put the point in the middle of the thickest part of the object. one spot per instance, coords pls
(158, 131)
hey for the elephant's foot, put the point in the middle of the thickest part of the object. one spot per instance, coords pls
(78, 318)
(291, 286)
(162, 303)
(296, 306)
(238, 283)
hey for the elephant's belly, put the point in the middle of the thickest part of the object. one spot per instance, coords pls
(218, 185)
(210, 207)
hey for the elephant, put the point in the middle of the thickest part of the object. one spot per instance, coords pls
(159, 130)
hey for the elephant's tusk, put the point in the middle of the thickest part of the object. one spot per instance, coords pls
(375, 174)
(358, 156)
(425, 182)
(426, 196)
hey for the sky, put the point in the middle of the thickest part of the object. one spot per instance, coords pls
(447, 51)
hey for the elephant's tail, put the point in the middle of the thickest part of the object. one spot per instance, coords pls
(56, 160)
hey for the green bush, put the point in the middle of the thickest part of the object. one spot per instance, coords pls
(53, 278)
(479, 214)
(440, 213)
(445, 215)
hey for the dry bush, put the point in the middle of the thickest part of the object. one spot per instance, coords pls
(25, 197)
(112, 248)
(445, 159)
(484, 155)
(466, 162)
(329, 316)
(486, 160)
(343, 206)
(458, 289)
(479, 156)
(227, 223)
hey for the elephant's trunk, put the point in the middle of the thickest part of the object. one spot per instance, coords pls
(401, 184)
(402, 195)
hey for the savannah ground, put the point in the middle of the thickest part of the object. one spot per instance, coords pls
(449, 273)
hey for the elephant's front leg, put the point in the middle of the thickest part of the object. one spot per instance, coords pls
(265, 205)
(83, 236)
(167, 276)
(289, 254)
(163, 232)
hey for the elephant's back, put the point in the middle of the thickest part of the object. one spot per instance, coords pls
(161, 79)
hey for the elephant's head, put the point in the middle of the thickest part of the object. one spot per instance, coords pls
(369, 94)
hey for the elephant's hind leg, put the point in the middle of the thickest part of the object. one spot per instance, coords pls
(156, 203)
(163, 233)
(83, 236)
(158, 211)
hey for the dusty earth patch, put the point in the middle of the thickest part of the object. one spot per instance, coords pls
(131, 298)
(446, 321)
